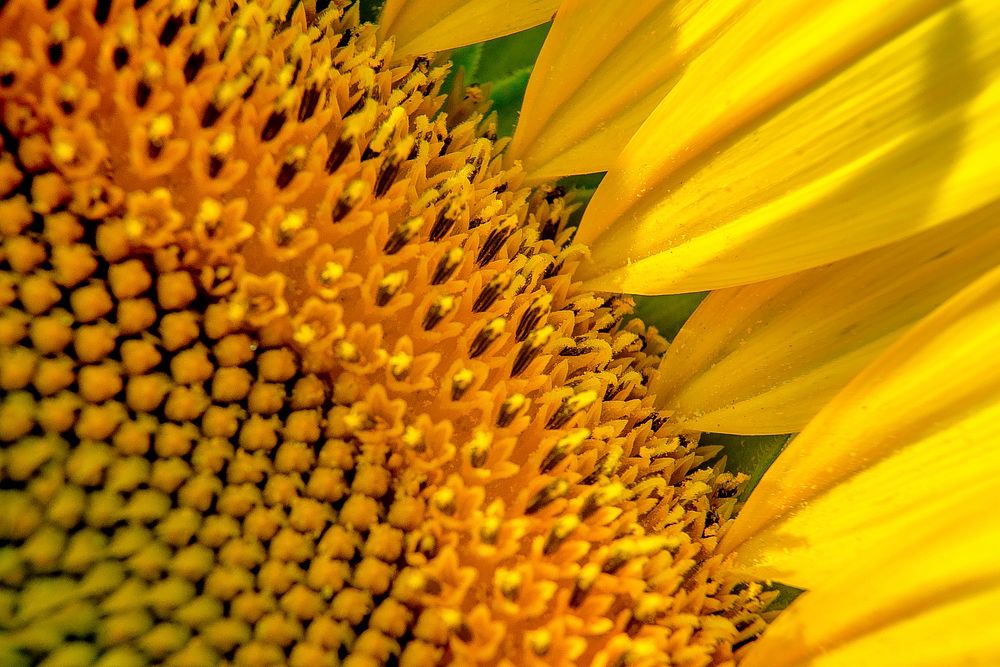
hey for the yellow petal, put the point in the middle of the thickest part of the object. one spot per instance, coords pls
(909, 446)
(601, 72)
(933, 606)
(764, 358)
(421, 26)
(807, 133)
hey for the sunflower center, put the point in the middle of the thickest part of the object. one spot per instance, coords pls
(295, 371)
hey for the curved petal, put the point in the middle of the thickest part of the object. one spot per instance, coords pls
(765, 358)
(948, 590)
(807, 133)
(600, 74)
(421, 26)
(906, 451)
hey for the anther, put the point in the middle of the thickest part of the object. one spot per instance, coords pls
(307, 107)
(570, 407)
(386, 130)
(400, 364)
(655, 420)
(102, 9)
(561, 529)
(150, 76)
(258, 66)
(8, 74)
(119, 57)
(160, 129)
(621, 553)
(446, 219)
(170, 29)
(557, 488)
(552, 269)
(460, 383)
(274, 123)
(563, 448)
(606, 495)
(444, 500)
(532, 317)
(330, 274)
(496, 239)
(58, 35)
(193, 65)
(530, 348)
(338, 153)
(353, 194)
(387, 174)
(413, 438)
(489, 530)
(554, 193)
(69, 97)
(224, 95)
(438, 310)
(463, 633)
(479, 448)
(357, 106)
(480, 154)
(626, 341)
(511, 408)
(403, 235)
(540, 642)
(293, 163)
(346, 351)
(612, 389)
(220, 149)
(509, 582)
(574, 350)
(584, 582)
(489, 333)
(605, 466)
(618, 307)
(427, 545)
(492, 291)
(289, 226)
(388, 287)
(447, 266)
(549, 229)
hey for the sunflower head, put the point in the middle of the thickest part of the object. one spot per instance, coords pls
(294, 369)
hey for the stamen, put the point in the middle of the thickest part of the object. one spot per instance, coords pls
(489, 333)
(510, 408)
(530, 349)
(492, 291)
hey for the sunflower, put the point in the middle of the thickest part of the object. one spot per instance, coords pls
(301, 363)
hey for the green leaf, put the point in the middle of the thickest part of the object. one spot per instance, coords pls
(582, 181)
(786, 595)
(504, 56)
(507, 95)
(370, 10)
(750, 454)
(504, 64)
(753, 455)
(466, 58)
(669, 312)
